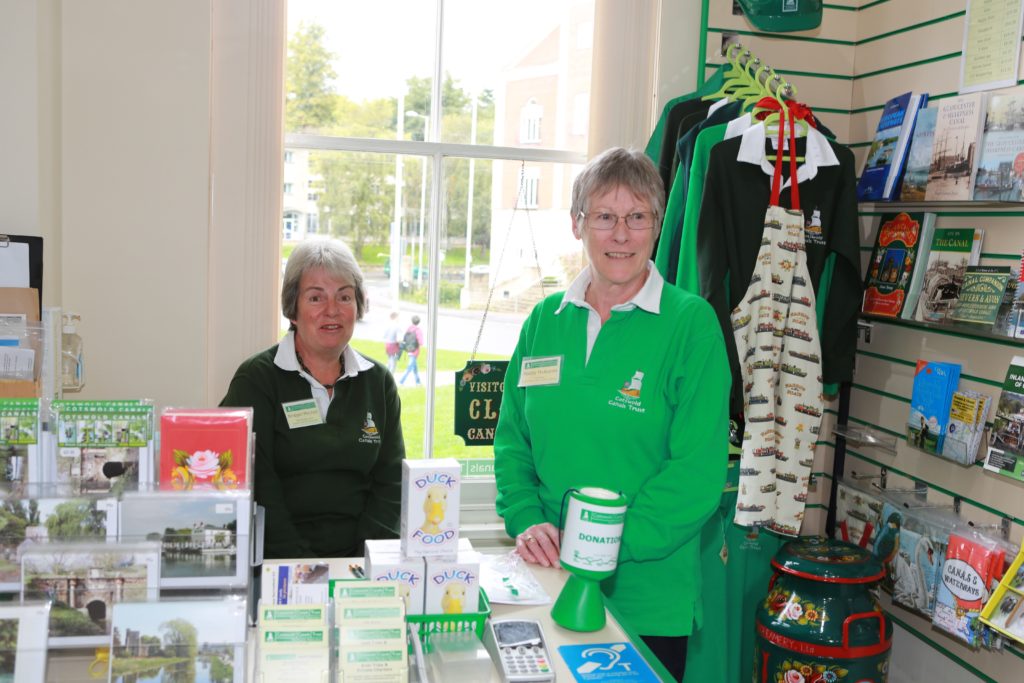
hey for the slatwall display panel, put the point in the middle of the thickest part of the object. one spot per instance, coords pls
(888, 16)
(817, 63)
(838, 23)
(788, 56)
(919, 44)
(923, 54)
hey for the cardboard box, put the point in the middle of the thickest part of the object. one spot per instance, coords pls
(430, 507)
(383, 562)
(453, 586)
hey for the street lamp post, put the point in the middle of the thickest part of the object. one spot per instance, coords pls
(395, 258)
(423, 196)
(465, 298)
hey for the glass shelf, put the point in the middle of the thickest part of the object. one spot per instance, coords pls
(924, 206)
(866, 437)
(975, 332)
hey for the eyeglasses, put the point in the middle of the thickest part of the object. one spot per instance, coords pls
(635, 220)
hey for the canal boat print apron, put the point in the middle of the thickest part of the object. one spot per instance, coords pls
(776, 332)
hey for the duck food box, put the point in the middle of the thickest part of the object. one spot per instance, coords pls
(430, 507)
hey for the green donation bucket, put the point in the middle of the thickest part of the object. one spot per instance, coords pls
(820, 623)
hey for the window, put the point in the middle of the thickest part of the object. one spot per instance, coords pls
(288, 188)
(531, 188)
(291, 224)
(312, 223)
(312, 196)
(426, 166)
(289, 156)
(530, 117)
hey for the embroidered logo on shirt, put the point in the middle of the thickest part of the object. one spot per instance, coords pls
(628, 397)
(370, 432)
(812, 229)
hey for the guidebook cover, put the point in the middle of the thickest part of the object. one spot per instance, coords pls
(888, 150)
(1006, 445)
(969, 574)
(981, 295)
(204, 448)
(893, 263)
(952, 251)
(1000, 174)
(934, 385)
(955, 148)
(919, 158)
(968, 414)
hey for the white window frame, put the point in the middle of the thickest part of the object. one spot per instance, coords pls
(530, 119)
(531, 188)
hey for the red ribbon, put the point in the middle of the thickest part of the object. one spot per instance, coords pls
(796, 111)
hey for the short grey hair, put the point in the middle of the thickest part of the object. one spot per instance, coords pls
(615, 167)
(328, 253)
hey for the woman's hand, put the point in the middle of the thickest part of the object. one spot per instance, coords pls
(539, 545)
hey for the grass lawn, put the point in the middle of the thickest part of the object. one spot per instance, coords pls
(414, 404)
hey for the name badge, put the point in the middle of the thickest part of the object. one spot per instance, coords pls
(302, 413)
(540, 371)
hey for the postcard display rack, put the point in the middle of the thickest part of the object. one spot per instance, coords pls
(862, 55)
(126, 532)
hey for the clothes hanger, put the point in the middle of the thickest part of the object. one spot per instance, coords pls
(736, 76)
(782, 116)
(758, 89)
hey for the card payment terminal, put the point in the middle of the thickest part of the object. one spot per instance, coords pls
(518, 649)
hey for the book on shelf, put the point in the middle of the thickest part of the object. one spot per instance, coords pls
(1006, 442)
(1010, 307)
(919, 158)
(934, 386)
(958, 129)
(952, 250)
(205, 448)
(896, 261)
(981, 295)
(888, 152)
(1000, 175)
(968, 414)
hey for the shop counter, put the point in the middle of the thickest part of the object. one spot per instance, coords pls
(552, 580)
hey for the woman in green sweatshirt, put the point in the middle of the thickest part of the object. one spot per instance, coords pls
(638, 404)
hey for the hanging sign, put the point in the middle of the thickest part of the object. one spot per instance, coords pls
(478, 389)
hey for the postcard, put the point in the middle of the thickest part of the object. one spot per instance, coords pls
(36, 521)
(204, 535)
(84, 581)
(24, 628)
(185, 640)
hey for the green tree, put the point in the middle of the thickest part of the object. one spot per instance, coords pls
(181, 638)
(74, 519)
(309, 99)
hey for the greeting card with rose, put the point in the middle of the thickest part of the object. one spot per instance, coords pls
(208, 448)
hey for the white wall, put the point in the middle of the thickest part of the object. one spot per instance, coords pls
(135, 173)
(117, 118)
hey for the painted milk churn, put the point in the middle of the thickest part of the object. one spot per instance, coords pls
(820, 622)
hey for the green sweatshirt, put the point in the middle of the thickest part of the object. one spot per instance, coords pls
(665, 449)
(329, 487)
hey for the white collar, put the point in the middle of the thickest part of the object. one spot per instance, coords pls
(648, 298)
(818, 153)
(286, 359)
(718, 105)
(738, 125)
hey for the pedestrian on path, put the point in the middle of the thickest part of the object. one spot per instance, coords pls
(412, 343)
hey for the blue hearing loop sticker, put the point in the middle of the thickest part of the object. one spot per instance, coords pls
(619, 662)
